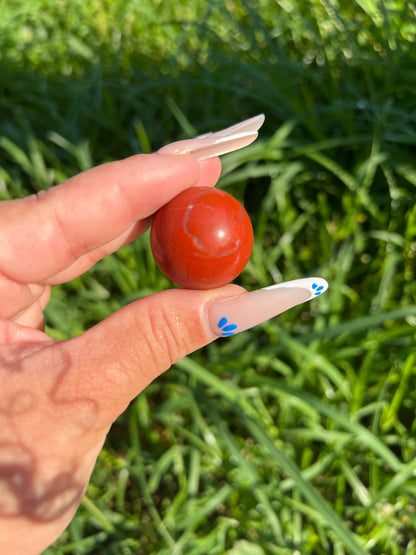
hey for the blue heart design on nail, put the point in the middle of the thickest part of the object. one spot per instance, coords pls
(226, 328)
(317, 289)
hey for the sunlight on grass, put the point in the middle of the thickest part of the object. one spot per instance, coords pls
(298, 436)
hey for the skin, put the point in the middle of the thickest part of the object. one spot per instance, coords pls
(59, 399)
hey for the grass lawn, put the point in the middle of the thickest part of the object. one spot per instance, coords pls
(296, 437)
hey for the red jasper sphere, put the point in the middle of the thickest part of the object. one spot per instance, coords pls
(202, 238)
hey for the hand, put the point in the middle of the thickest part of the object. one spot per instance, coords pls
(59, 399)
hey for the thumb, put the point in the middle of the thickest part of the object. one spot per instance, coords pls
(116, 359)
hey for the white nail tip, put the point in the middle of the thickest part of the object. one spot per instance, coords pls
(316, 286)
(248, 125)
(221, 142)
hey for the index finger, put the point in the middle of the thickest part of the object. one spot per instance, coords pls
(42, 235)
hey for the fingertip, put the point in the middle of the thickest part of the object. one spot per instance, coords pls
(210, 171)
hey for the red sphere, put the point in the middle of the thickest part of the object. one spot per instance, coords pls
(202, 238)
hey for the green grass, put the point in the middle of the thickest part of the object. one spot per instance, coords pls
(297, 436)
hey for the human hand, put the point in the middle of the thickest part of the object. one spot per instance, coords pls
(59, 399)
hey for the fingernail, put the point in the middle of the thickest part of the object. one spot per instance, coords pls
(214, 144)
(230, 316)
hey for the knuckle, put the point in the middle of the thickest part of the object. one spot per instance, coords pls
(164, 338)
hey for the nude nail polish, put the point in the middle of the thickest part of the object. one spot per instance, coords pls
(230, 316)
(221, 142)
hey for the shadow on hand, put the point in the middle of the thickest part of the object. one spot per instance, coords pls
(41, 476)
(22, 495)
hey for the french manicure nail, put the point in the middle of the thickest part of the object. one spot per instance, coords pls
(221, 142)
(230, 316)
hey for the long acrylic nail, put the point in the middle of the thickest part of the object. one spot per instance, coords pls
(230, 316)
(214, 144)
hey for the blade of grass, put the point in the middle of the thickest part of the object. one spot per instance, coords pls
(287, 465)
(331, 519)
